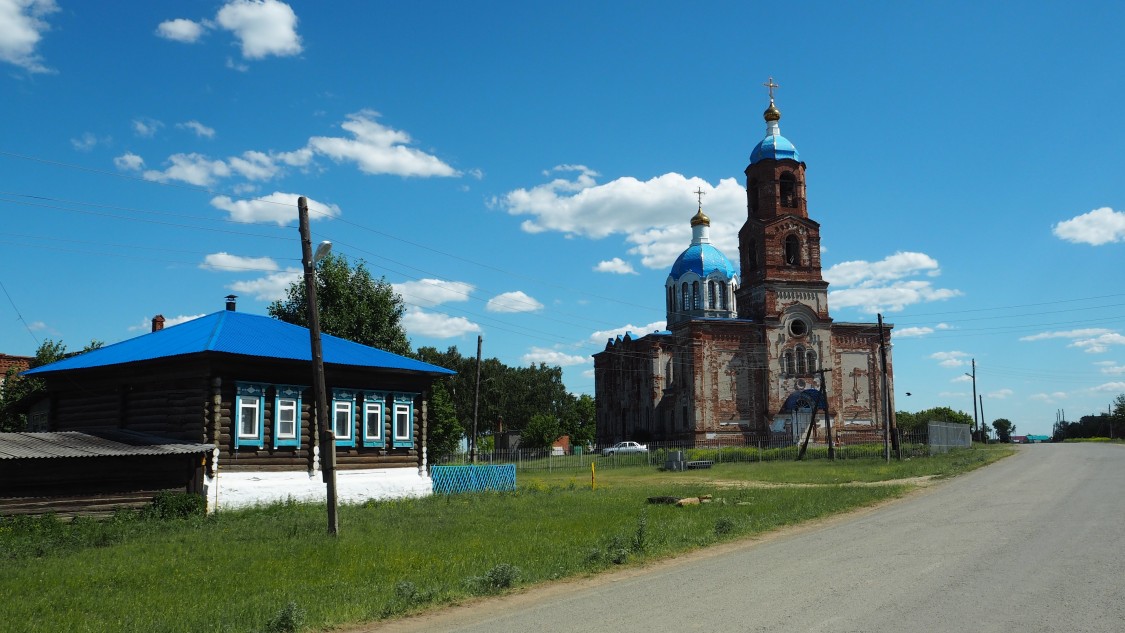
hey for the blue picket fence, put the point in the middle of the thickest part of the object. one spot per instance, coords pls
(456, 479)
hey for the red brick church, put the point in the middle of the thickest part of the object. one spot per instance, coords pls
(741, 359)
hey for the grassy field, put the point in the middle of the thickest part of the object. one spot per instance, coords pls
(274, 569)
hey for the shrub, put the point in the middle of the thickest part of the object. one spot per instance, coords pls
(176, 505)
(500, 577)
(290, 619)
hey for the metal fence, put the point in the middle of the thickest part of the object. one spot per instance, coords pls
(700, 452)
(946, 435)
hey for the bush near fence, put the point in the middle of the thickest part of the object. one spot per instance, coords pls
(720, 450)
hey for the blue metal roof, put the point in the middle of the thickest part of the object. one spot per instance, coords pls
(702, 259)
(775, 147)
(233, 332)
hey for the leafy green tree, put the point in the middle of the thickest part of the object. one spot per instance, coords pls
(580, 422)
(1004, 429)
(17, 391)
(541, 431)
(445, 432)
(351, 303)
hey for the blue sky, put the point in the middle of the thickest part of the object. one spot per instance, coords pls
(524, 171)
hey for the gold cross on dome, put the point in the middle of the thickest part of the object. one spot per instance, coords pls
(770, 85)
(700, 193)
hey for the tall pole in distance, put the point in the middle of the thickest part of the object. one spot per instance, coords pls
(327, 438)
(476, 406)
(974, 377)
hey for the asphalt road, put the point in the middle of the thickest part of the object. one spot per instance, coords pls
(1033, 543)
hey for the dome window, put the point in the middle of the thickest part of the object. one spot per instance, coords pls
(695, 303)
(684, 297)
(711, 292)
(798, 327)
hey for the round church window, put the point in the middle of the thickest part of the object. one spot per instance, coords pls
(798, 327)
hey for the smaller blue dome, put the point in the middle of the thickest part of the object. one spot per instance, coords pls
(775, 147)
(702, 259)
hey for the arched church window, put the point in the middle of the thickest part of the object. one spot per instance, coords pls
(671, 299)
(695, 295)
(751, 255)
(787, 363)
(788, 190)
(722, 296)
(684, 297)
(711, 292)
(792, 250)
(801, 369)
(811, 356)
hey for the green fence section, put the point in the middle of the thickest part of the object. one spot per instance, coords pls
(456, 479)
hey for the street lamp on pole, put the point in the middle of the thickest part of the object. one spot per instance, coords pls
(328, 439)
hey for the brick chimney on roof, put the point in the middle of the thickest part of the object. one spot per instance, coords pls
(231, 302)
(158, 323)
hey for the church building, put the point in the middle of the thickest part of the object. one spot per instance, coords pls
(745, 349)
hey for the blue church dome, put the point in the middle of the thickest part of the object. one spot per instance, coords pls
(702, 259)
(775, 147)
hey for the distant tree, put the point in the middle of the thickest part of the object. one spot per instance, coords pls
(1004, 429)
(541, 431)
(907, 422)
(445, 432)
(580, 423)
(352, 305)
(18, 391)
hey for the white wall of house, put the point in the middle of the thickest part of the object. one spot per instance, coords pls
(230, 490)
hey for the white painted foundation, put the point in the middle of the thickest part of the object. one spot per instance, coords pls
(229, 490)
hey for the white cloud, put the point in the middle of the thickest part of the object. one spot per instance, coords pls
(517, 301)
(278, 207)
(436, 325)
(950, 359)
(233, 65)
(1110, 387)
(553, 358)
(428, 293)
(254, 165)
(36, 326)
(962, 378)
(194, 169)
(893, 267)
(909, 332)
(1111, 367)
(1100, 226)
(890, 298)
(1000, 394)
(129, 162)
(200, 130)
(376, 149)
(1048, 398)
(636, 331)
(616, 265)
(88, 141)
(146, 322)
(146, 127)
(652, 215)
(1091, 340)
(181, 30)
(882, 286)
(264, 27)
(272, 287)
(226, 261)
(22, 25)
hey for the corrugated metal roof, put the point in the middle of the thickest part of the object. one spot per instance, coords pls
(233, 332)
(108, 443)
(702, 259)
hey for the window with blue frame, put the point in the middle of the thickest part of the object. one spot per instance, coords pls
(249, 414)
(343, 416)
(404, 420)
(374, 418)
(287, 415)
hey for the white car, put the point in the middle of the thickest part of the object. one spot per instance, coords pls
(625, 447)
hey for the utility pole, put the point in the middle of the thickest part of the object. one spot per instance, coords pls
(476, 406)
(328, 438)
(974, 377)
(983, 433)
(886, 393)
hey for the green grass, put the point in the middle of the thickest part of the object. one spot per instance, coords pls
(274, 569)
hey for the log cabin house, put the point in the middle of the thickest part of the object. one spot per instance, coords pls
(220, 405)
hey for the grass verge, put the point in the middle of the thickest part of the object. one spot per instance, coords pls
(274, 569)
